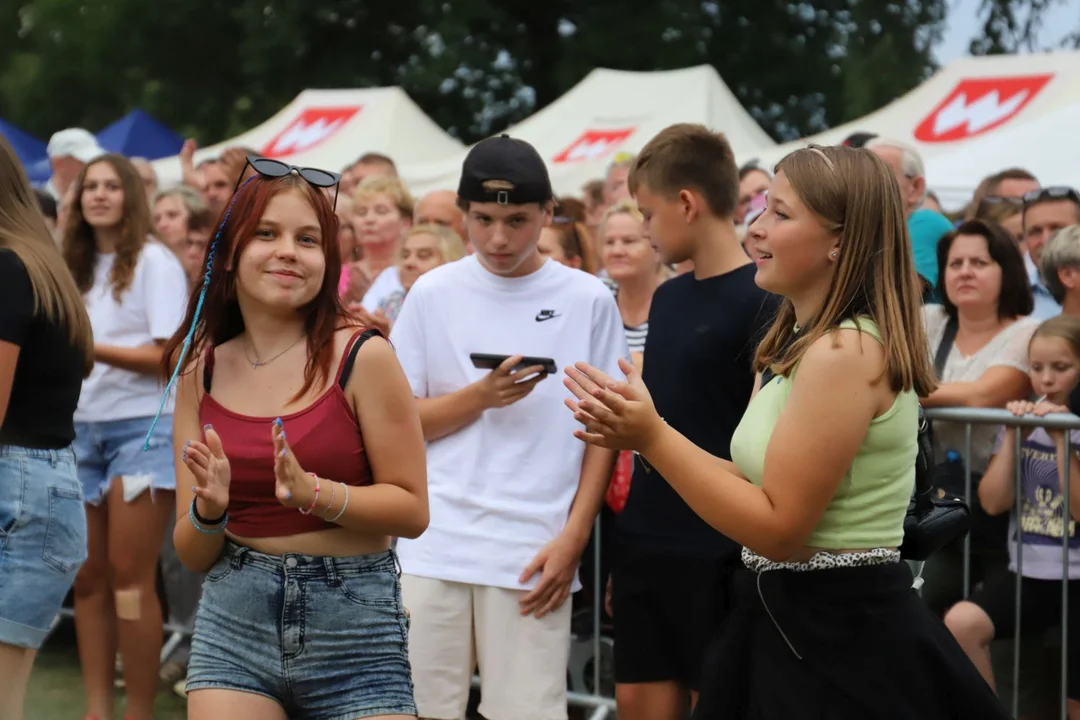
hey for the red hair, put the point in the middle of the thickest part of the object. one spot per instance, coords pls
(219, 319)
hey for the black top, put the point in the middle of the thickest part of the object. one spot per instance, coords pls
(698, 368)
(48, 373)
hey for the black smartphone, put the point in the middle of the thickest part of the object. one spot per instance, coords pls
(484, 361)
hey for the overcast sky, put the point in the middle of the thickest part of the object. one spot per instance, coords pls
(963, 24)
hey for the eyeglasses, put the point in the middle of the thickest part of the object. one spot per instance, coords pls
(270, 168)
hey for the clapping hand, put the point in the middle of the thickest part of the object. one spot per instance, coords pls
(207, 462)
(292, 486)
(616, 414)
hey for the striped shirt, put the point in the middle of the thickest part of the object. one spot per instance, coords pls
(636, 334)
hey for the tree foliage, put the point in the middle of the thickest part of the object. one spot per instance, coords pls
(212, 69)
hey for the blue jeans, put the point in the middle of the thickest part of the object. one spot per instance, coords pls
(327, 638)
(42, 540)
(114, 449)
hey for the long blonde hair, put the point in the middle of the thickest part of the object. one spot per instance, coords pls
(23, 231)
(855, 196)
(80, 250)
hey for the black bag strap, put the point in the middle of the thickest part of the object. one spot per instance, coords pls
(945, 347)
(346, 367)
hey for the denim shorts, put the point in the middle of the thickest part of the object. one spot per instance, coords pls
(327, 638)
(42, 540)
(114, 448)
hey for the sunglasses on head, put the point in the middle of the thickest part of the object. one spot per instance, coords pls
(270, 168)
(1056, 192)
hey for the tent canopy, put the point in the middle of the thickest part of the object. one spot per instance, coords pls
(1041, 146)
(330, 129)
(612, 111)
(138, 134)
(968, 101)
(27, 147)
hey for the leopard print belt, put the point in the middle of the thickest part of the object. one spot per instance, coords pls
(822, 560)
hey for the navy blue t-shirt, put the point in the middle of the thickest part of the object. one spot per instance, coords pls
(698, 368)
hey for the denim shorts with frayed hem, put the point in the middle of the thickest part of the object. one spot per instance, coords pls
(327, 638)
(42, 540)
(114, 449)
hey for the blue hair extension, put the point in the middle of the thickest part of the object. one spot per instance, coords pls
(195, 318)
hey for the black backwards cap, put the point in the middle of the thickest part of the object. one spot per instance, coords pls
(506, 171)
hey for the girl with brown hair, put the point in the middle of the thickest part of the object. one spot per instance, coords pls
(135, 292)
(824, 621)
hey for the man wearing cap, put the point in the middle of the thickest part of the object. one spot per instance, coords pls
(69, 150)
(513, 494)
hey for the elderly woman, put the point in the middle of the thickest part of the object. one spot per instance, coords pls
(1061, 268)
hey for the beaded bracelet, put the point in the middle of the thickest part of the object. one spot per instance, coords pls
(318, 486)
(200, 523)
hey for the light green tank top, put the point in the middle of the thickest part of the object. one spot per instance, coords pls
(868, 508)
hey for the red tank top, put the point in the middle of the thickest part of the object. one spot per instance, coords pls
(325, 437)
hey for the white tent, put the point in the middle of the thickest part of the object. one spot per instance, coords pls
(1044, 146)
(613, 111)
(331, 128)
(971, 100)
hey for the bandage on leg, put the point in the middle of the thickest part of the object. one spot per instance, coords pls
(129, 604)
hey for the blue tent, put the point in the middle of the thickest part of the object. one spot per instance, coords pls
(27, 147)
(138, 134)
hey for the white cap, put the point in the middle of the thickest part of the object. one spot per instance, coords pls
(76, 143)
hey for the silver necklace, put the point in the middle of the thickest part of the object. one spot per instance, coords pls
(256, 363)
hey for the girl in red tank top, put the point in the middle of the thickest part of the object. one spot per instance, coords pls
(300, 454)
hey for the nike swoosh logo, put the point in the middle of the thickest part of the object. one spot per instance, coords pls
(541, 317)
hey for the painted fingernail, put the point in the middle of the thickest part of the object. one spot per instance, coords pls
(207, 426)
(183, 457)
(288, 495)
(284, 452)
(277, 421)
(194, 489)
(282, 433)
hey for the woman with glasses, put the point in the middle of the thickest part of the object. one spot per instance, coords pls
(46, 349)
(134, 290)
(300, 455)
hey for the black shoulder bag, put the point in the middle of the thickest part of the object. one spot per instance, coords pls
(934, 517)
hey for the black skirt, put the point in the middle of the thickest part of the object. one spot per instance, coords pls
(839, 644)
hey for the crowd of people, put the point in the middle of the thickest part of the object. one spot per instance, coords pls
(359, 482)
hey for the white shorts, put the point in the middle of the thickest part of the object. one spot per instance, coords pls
(455, 627)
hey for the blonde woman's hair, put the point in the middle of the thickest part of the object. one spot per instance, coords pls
(23, 231)
(855, 196)
(80, 249)
(450, 244)
(627, 206)
(389, 186)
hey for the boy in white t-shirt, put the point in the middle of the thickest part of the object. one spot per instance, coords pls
(513, 494)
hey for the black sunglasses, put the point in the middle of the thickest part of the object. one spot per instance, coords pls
(270, 168)
(1056, 192)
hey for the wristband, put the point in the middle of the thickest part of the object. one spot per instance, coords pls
(200, 523)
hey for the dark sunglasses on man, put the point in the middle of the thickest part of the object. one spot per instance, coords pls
(270, 168)
(1054, 192)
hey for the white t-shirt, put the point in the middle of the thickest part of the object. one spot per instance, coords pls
(383, 286)
(501, 488)
(1006, 349)
(151, 309)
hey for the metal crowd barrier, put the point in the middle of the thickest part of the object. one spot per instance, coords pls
(591, 696)
(1062, 421)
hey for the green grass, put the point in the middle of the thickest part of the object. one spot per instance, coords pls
(56, 691)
